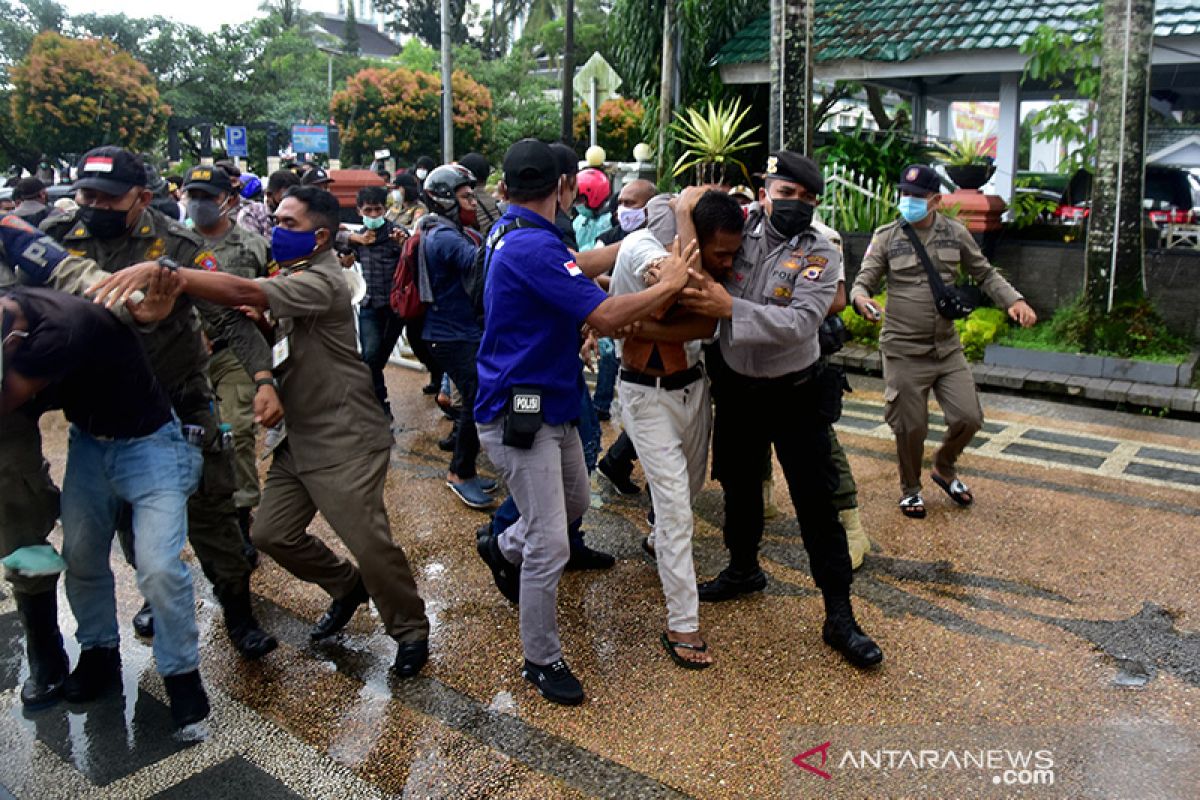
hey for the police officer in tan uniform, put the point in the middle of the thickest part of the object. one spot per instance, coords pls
(770, 389)
(920, 348)
(335, 456)
(211, 203)
(115, 228)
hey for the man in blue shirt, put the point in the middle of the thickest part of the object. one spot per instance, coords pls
(535, 302)
(452, 328)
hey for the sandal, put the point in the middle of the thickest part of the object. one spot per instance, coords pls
(957, 490)
(673, 651)
(913, 506)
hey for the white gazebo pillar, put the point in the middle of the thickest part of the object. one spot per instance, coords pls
(1008, 135)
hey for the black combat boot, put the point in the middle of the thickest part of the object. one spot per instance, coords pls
(189, 702)
(98, 670)
(143, 621)
(245, 520)
(48, 665)
(841, 632)
(251, 641)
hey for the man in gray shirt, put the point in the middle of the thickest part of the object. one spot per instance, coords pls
(769, 388)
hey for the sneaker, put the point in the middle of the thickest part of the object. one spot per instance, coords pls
(431, 388)
(486, 484)
(620, 481)
(554, 682)
(471, 494)
(506, 575)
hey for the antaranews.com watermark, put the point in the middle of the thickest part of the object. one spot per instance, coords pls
(1136, 760)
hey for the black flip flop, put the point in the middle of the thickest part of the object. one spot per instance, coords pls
(956, 489)
(673, 651)
(913, 506)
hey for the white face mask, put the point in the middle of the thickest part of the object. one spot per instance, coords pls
(630, 219)
(421, 173)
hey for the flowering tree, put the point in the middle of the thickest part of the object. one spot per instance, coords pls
(400, 109)
(70, 95)
(618, 127)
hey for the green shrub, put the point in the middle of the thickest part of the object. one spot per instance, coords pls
(977, 331)
(863, 330)
(1131, 330)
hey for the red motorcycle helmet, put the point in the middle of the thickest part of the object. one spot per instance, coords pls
(594, 187)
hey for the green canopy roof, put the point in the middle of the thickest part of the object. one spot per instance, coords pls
(901, 30)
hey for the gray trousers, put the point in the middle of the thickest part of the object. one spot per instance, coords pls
(549, 483)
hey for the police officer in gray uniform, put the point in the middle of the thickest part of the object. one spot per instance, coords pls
(769, 388)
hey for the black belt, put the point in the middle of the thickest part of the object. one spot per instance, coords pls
(790, 379)
(676, 380)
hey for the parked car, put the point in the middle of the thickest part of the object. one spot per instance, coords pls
(1172, 196)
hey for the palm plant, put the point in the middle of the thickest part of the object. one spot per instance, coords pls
(711, 139)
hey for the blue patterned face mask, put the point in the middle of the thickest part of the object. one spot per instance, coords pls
(913, 209)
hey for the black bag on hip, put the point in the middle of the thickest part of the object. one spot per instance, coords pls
(950, 301)
(522, 416)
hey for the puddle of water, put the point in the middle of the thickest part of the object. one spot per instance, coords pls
(1132, 673)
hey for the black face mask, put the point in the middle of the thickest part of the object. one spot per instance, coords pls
(790, 217)
(103, 223)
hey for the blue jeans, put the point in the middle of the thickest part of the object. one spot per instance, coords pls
(606, 377)
(378, 331)
(155, 474)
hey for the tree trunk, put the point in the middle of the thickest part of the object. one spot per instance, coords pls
(668, 89)
(568, 75)
(791, 76)
(1115, 269)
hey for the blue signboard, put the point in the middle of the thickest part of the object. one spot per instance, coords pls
(310, 138)
(236, 143)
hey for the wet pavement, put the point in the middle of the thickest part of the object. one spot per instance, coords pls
(1065, 597)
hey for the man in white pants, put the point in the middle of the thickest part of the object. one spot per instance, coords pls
(665, 406)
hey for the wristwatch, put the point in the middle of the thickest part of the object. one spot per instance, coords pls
(169, 263)
(266, 382)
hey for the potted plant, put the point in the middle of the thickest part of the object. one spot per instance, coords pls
(711, 139)
(967, 162)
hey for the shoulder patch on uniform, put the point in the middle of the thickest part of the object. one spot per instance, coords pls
(817, 261)
(812, 273)
(782, 291)
(206, 260)
(572, 268)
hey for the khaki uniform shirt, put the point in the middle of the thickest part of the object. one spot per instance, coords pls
(329, 406)
(175, 347)
(911, 324)
(782, 290)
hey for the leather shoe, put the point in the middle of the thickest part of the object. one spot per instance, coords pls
(584, 557)
(841, 632)
(619, 479)
(730, 584)
(340, 612)
(410, 657)
(506, 575)
(143, 621)
(252, 642)
(447, 445)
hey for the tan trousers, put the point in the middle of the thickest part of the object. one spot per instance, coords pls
(906, 410)
(350, 497)
(235, 393)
